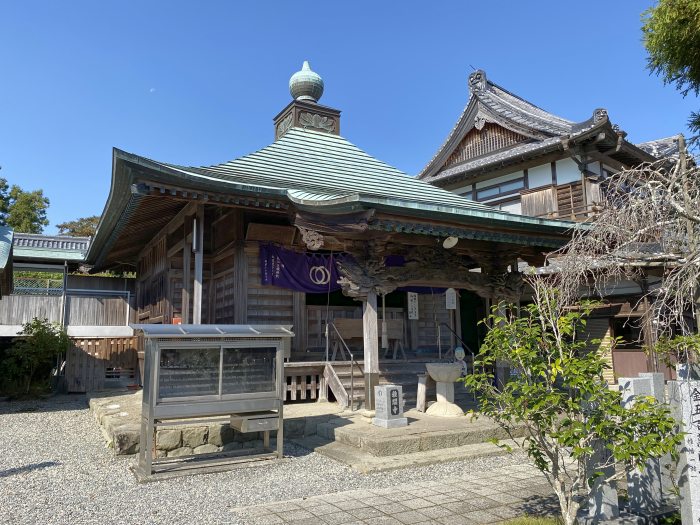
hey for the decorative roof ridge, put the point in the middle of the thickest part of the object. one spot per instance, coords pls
(489, 102)
(40, 241)
(517, 102)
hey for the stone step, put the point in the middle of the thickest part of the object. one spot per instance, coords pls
(422, 435)
(364, 462)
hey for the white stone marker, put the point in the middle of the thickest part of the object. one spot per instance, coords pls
(643, 485)
(658, 389)
(685, 406)
(388, 406)
(602, 499)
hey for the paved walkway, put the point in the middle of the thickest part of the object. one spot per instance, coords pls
(471, 498)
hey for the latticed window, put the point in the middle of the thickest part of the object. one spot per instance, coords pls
(37, 283)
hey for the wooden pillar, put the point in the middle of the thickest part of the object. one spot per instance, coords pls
(370, 335)
(240, 271)
(186, 277)
(300, 322)
(198, 245)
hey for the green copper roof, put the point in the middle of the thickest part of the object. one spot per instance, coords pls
(321, 170)
(311, 170)
(5, 246)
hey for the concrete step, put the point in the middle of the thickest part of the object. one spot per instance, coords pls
(364, 462)
(380, 444)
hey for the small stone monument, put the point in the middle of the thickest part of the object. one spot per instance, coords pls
(388, 406)
(685, 406)
(643, 485)
(658, 390)
(602, 499)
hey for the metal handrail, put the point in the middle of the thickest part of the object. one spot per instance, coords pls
(465, 345)
(352, 364)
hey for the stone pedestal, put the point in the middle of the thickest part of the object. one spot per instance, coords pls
(388, 405)
(643, 485)
(685, 406)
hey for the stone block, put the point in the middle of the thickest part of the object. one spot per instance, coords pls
(220, 434)
(388, 401)
(126, 440)
(179, 452)
(206, 449)
(168, 439)
(195, 436)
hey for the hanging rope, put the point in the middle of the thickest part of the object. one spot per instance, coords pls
(328, 302)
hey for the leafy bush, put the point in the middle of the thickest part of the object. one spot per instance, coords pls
(558, 393)
(38, 346)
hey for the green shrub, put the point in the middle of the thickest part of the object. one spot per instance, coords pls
(39, 345)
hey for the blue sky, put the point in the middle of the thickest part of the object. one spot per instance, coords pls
(198, 83)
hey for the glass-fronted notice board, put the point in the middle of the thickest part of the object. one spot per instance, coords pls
(216, 371)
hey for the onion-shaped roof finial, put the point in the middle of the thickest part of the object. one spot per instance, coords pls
(306, 84)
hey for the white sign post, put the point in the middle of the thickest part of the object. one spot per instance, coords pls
(451, 299)
(412, 305)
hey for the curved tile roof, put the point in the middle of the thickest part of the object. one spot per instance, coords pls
(59, 247)
(323, 167)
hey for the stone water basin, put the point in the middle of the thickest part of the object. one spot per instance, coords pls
(444, 372)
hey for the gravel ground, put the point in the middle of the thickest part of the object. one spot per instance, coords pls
(54, 468)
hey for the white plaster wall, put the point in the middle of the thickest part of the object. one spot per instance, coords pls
(567, 171)
(594, 167)
(540, 176)
(512, 207)
(497, 180)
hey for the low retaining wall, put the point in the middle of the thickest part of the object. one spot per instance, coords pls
(119, 419)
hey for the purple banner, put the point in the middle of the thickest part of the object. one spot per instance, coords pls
(303, 272)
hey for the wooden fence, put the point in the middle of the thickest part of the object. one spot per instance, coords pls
(80, 310)
(101, 363)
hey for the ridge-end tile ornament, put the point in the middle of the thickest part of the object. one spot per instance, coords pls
(600, 114)
(477, 80)
(308, 120)
(312, 239)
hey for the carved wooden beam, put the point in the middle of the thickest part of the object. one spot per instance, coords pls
(425, 267)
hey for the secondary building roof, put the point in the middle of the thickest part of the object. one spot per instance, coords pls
(38, 248)
(525, 131)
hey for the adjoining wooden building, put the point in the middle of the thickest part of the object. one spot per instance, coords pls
(6, 235)
(510, 154)
(194, 236)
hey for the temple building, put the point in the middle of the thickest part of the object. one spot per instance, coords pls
(506, 152)
(315, 233)
(510, 154)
